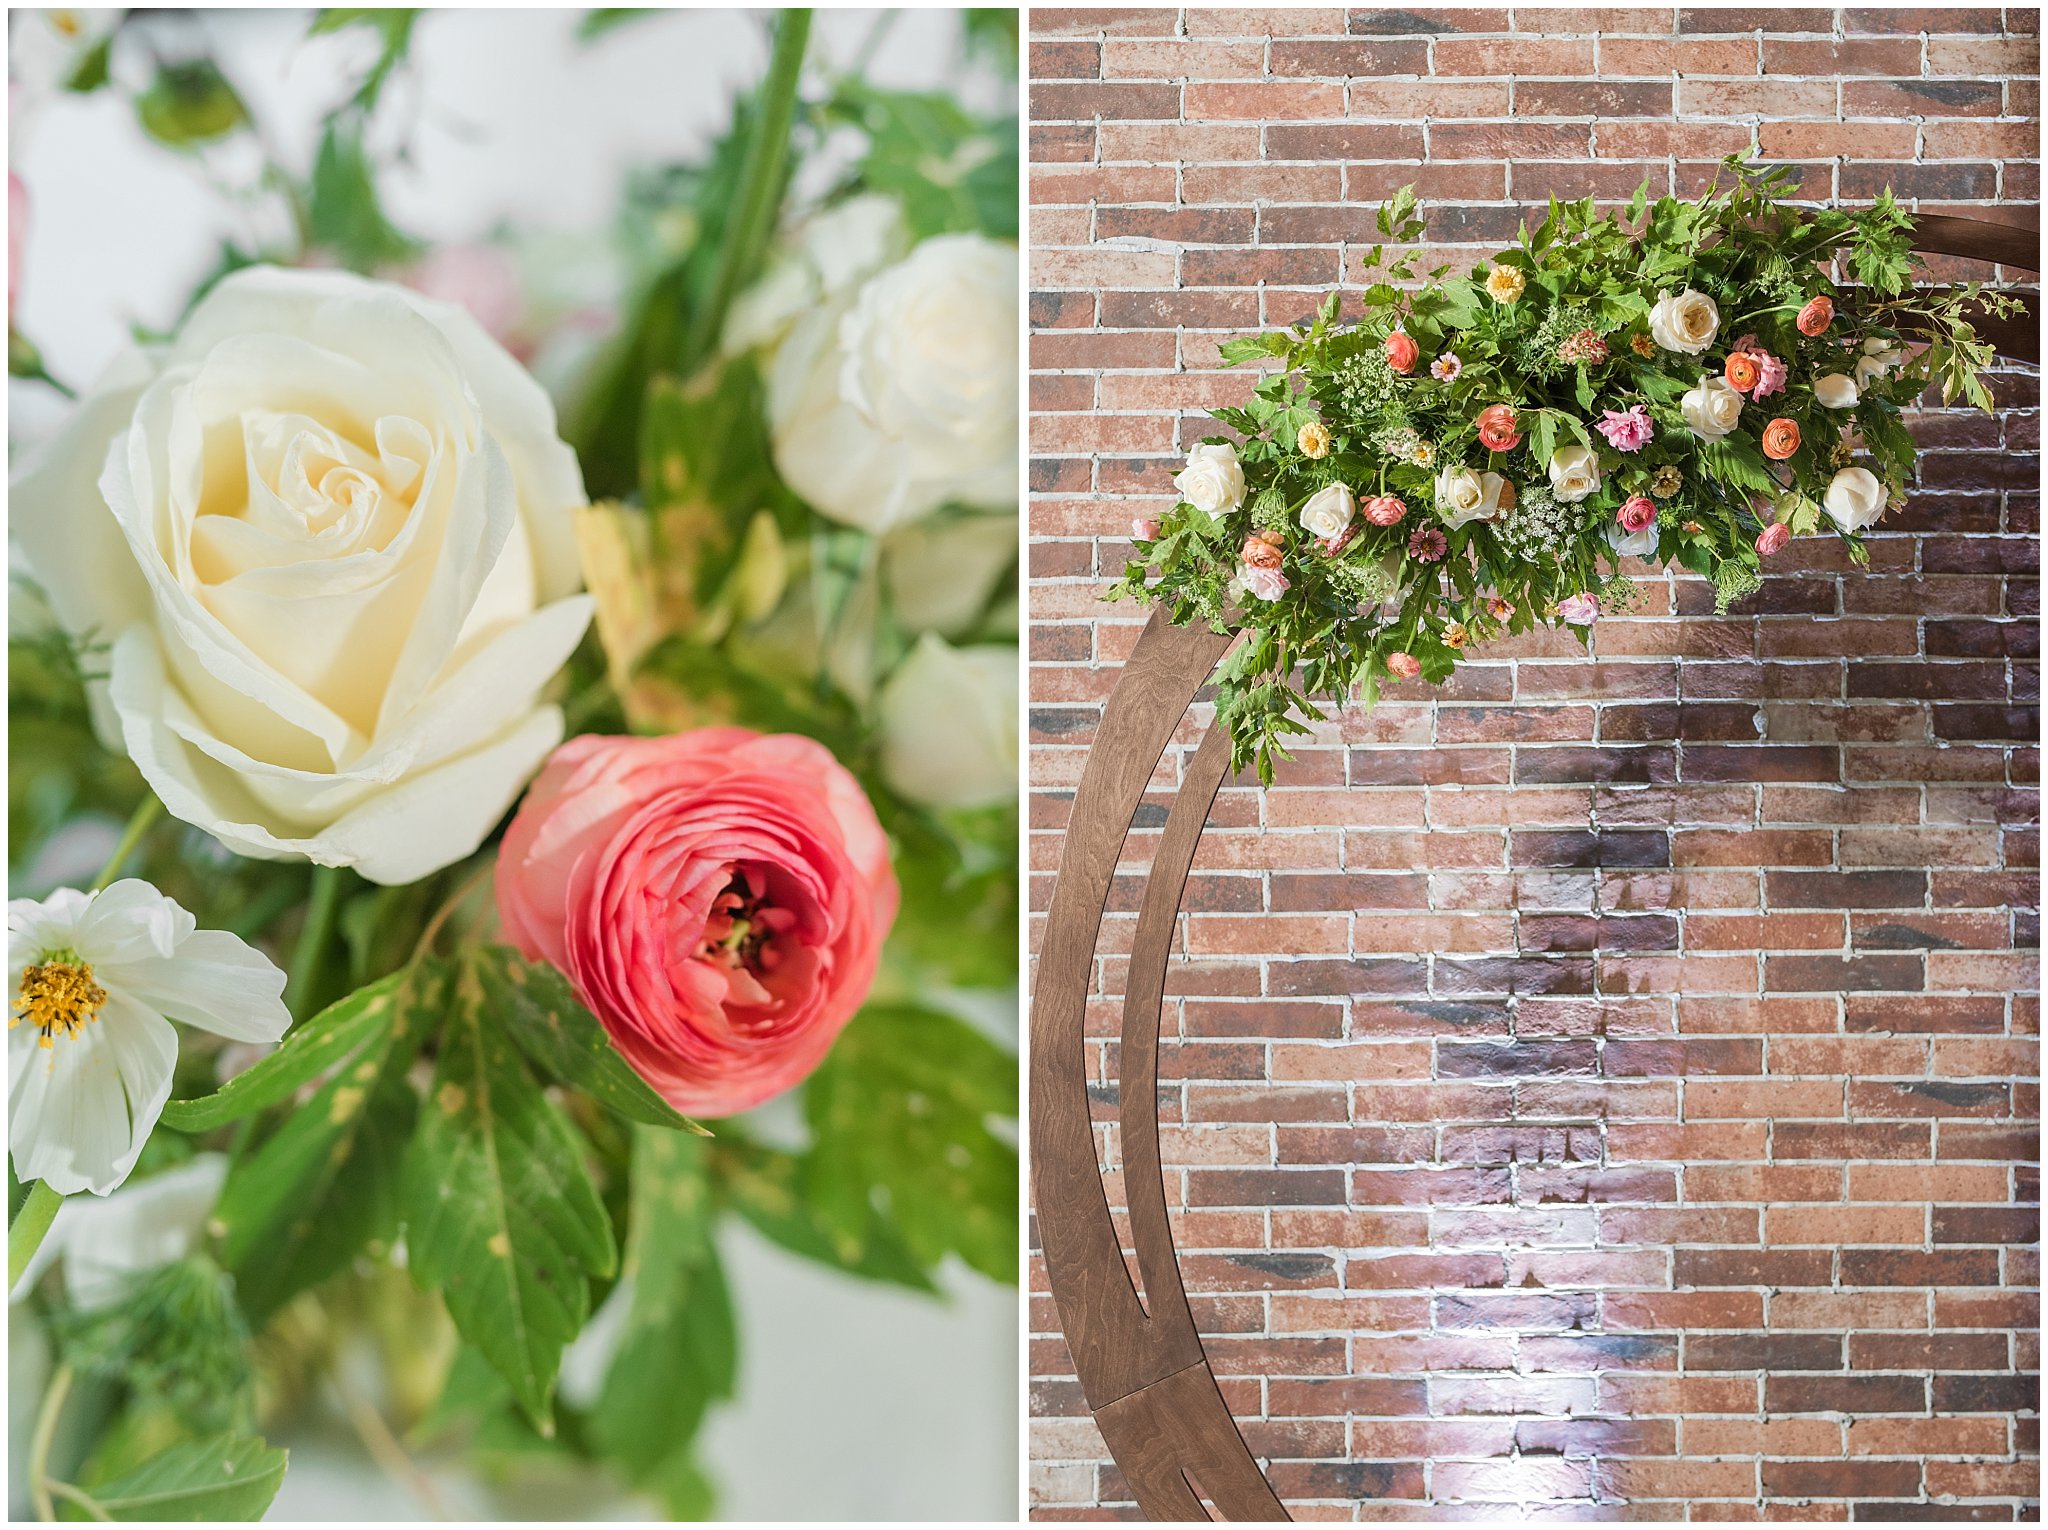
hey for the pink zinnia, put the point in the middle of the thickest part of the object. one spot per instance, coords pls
(1446, 367)
(1266, 583)
(1580, 609)
(717, 898)
(1428, 545)
(1626, 430)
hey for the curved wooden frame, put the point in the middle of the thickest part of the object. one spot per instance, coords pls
(1140, 1362)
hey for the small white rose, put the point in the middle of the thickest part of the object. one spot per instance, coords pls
(327, 532)
(949, 724)
(1711, 408)
(1463, 495)
(1632, 544)
(901, 396)
(1837, 390)
(1212, 481)
(1855, 499)
(1328, 512)
(1880, 359)
(1686, 323)
(1574, 473)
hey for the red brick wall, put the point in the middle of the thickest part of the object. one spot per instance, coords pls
(1607, 1090)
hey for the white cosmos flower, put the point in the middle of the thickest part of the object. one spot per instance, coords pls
(89, 1048)
(144, 1225)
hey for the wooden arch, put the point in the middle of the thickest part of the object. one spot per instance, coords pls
(1140, 1362)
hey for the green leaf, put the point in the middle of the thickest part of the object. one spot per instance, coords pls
(343, 213)
(538, 1008)
(325, 1183)
(501, 1215)
(225, 1478)
(92, 71)
(899, 1117)
(770, 1190)
(189, 104)
(310, 1050)
(679, 1350)
(604, 19)
(393, 25)
(950, 172)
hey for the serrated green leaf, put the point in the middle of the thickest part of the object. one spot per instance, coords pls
(679, 1351)
(325, 1183)
(501, 1215)
(540, 1011)
(310, 1050)
(225, 1478)
(900, 1115)
(769, 1189)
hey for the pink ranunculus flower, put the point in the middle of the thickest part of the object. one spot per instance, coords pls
(1497, 428)
(1266, 583)
(1404, 665)
(1638, 512)
(1402, 351)
(1580, 610)
(718, 898)
(1626, 430)
(1385, 509)
(1773, 538)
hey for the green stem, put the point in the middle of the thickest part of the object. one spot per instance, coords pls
(145, 814)
(25, 1234)
(761, 184)
(309, 952)
(39, 1484)
(94, 1509)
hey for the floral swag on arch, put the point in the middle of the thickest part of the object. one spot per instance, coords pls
(1686, 384)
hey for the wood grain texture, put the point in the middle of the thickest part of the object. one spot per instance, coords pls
(1176, 1444)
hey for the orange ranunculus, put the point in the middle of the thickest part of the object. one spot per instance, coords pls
(1816, 316)
(1741, 371)
(1402, 351)
(1781, 439)
(1260, 553)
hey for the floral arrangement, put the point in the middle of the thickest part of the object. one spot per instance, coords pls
(521, 783)
(1681, 382)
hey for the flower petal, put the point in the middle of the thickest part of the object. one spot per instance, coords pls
(215, 982)
(80, 1111)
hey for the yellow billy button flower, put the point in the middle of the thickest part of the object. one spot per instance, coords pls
(1505, 283)
(1313, 439)
(97, 980)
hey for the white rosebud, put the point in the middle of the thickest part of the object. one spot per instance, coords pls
(1880, 359)
(1711, 408)
(1836, 391)
(1632, 544)
(949, 724)
(1463, 495)
(1855, 499)
(1212, 481)
(901, 396)
(1684, 323)
(1574, 473)
(1328, 512)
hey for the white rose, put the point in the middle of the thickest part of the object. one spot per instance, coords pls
(834, 251)
(1855, 499)
(949, 724)
(1328, 512)
(327, 534)
(1711, 409)
(941, 572)
(1212, 481)
(1463, 495)
(1836, 391)
(1880, 359)
(1574, 473)
(902, 396)
(1685, 323)
(1632, 544)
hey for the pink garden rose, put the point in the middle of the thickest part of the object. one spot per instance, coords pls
(1580, 610)
(1144, 529)
(1404, 666)
(718, 898)
(1773, 538)
(1639, 512)
(1626, 430)
(1266, 583)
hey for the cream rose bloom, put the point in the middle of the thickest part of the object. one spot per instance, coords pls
(949, 724)
(1463, 495)
(1328, 511)
(1879, 359)
(1711, 408)
(901, 395)
(1855, 499)
(1685, 323)
(1837, 390)
(1212, 481)
(326, 536)
(1574, 473)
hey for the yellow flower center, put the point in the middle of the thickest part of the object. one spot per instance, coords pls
(58, 994)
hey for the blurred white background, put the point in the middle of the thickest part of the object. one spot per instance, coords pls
(856, 1401)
